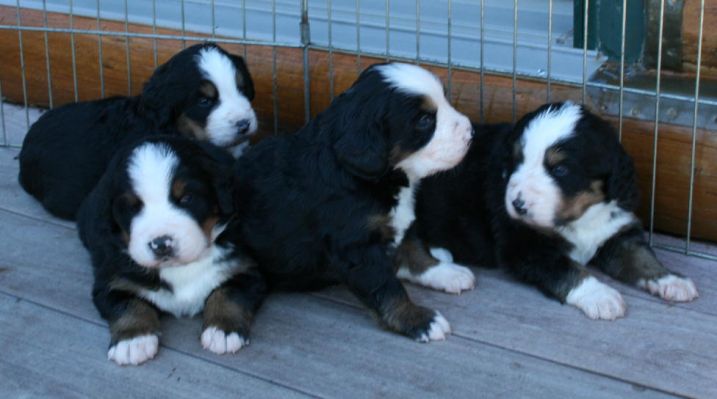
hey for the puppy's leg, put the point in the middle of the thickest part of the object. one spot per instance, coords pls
(628, 258)
(229, 311)
(558, 276)
(417, 265)
(134, 326)
(369, 273)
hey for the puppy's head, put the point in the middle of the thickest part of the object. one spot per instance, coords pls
(395, 116)
(564, 160)
(170, 200)
(205, 93)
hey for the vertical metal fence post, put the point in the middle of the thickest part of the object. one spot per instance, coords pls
(449, 86)
(329, 14)
(184, 26)
(550, 51)
(126, 49)
(482, 59)
(47, 55)
(694, 129)
(657, 122)
(418, 32)
(274, 78)
(388, 30)
(622, 69)
(100, 66)
(585, 49)
(306, 42)
(72, 52)
(514, 80)
(154, 32)
(358, 36)
(22, 63)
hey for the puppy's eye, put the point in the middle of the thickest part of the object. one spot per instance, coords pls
(186, 199)
(205, 101)
(560, 170)
(426, 122)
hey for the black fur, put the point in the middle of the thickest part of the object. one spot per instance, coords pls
(66, 151)
(104, 221)
(463, 210)
(315, 204)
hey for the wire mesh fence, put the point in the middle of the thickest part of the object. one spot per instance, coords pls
(486, 38)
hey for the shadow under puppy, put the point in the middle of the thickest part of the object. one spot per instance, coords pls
(543, 199)
(202, 92)
(153, 228)
(326, 204)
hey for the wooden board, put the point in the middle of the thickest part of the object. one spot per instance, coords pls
(673, 166)
(509, 340)
(50, 354)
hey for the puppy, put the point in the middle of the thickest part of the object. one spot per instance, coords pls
(325, 205)
(543, 199)
(153, 228)
(202, 92)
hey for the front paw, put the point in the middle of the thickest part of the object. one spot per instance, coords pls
(597, 300)
(671, 288)
(445, 276)
(417, 322)
(220, 342)
(135, 350)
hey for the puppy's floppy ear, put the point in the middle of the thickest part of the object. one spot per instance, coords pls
(218, 164)
(243, 70)
(159, 95)
(622, 184)
(359, 138)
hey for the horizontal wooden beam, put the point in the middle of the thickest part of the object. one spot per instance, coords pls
(674, 146)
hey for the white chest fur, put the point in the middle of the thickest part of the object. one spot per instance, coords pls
(588, 233)
(403, 214)
(192, 283)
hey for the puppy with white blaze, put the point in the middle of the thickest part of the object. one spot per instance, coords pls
(202, 92)
(328, 203)
(544, 199)
(154, 229)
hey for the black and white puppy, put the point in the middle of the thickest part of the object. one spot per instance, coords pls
(324, 205)
(202, 92)
(153, 228)
(544, 199)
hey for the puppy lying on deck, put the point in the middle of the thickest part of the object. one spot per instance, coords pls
(543, 199)
(202, 92)
(328, 203)
(153, 228)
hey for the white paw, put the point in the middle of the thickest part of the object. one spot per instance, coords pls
(448, 277)
(437, 330)
(597, 300)
(135, 350)
(217, 341)
(442, 254)
(671, 288)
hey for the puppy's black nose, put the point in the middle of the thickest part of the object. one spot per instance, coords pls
(162, 247)
(519, 206)
(243, 126)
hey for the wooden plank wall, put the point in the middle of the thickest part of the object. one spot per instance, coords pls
(673, 147)
(690, 32)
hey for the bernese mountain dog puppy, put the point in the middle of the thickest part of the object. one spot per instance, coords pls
(326, 204)
(153, 228)
(543, 199)
(202, 92)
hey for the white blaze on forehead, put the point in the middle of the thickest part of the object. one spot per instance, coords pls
(531, 182)
(546, 129)
(412, 79)
(151, 169)
(151, 172)
(233, 106)
(453, 131)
